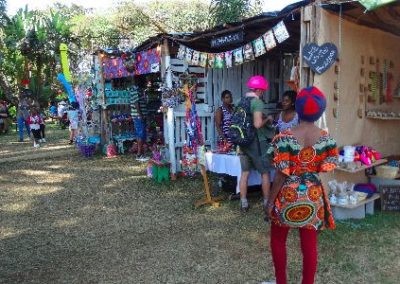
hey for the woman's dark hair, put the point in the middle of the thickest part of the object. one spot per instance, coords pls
(291, 95)
(224, 93)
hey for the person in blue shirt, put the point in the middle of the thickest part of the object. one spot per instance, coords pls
(53, 110)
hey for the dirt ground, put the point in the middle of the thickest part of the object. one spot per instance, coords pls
(69, 219)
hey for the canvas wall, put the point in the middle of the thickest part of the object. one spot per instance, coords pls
(358, 41)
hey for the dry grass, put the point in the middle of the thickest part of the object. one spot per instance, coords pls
(77, 220)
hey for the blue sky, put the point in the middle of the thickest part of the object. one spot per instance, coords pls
(14, 5)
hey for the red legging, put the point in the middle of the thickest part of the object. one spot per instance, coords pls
(308, 240)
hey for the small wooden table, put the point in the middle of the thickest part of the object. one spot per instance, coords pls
(355, 211)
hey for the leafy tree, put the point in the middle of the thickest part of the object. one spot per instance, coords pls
(32, 39)
(227, 11)
(142, 20)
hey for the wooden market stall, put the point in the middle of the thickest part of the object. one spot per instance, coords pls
(117, 75)
(362, 85)
(225, 57)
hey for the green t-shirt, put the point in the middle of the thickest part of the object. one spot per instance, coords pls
(267, 131)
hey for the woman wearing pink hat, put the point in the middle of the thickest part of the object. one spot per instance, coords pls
(252, 154)
(298, 199)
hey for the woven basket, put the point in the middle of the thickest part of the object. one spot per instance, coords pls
(387, 172)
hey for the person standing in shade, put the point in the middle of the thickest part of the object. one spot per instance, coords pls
(252, 155)
(73, 117)
(288, 117)
(53, 110)
(23, 114)
(139, 113)
(223, 116)
(298, 199)
(4, 117)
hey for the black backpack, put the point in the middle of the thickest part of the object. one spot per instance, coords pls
(242, 131)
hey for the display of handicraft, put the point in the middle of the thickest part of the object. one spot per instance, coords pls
(189, 162)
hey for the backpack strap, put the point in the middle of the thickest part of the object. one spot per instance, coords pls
(258, 143)
(249, 99)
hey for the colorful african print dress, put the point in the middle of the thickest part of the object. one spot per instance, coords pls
(302, 201)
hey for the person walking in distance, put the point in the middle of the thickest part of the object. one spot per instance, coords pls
(34, 121)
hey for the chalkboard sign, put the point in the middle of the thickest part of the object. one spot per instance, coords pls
(320, 58)
(227, 39)
(390, 197)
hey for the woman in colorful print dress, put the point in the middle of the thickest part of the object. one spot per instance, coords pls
(297, 198)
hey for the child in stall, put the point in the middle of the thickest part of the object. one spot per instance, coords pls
(34, 121)
(73, 116)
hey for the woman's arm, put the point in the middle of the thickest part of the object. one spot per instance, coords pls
(277, 184)
(218, 122)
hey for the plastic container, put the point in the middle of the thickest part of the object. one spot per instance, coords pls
(387, 172)
(349, 151)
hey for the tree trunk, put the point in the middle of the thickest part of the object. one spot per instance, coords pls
(39, 83)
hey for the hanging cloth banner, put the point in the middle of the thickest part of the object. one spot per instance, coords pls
(203, 59)
(147, 62)
(269, 40)
(211, 59)
(280, 32)
(238, 54)
(181, 52)
(219, 60)
(64, 61)
(259, 48)
(189, 54)
(373, 4)
(248, 52)
(228, 59)
(195, 57)
(115, 68)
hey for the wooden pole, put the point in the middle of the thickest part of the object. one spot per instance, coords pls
(170, 125)
(103, 112)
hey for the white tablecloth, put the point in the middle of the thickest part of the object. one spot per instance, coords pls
(229, 164)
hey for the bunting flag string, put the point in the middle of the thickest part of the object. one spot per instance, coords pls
(246, 53)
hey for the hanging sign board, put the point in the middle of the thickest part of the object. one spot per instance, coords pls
(320, 58)
(227, 39)
(390, 197)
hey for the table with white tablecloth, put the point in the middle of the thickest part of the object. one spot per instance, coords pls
(230, 165)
